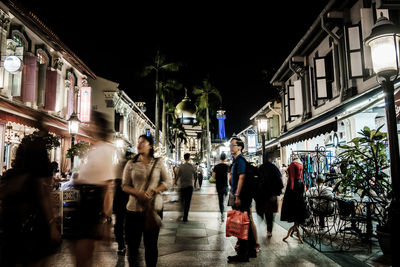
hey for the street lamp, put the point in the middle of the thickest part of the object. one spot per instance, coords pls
(73, 128)
(262, 126)
(384, 44)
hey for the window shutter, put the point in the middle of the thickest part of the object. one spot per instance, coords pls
(70, 100)
(85, 104)
(274, 124)
(323, 85)
(28, 79)
(51, 90)
(42, 83)
(354, 52)
(298, 96)
(286, 106)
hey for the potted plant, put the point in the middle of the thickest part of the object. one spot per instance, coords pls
(364, 165)
(79, 149)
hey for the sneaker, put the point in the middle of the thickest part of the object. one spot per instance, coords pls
(237, 258)
(269, 234)
(222, 217)
(258, 248)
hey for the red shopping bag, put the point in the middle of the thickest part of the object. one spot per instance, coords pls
(237, 224)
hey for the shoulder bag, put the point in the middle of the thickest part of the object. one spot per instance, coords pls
(151, 218)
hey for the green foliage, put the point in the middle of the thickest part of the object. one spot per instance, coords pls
(49, 140)
(362, 165)
(78, 149)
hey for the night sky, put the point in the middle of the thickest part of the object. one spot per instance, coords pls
(230, 43)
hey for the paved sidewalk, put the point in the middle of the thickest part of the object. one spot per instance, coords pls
(202, 241)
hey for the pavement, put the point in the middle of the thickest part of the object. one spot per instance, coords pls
(201, 241)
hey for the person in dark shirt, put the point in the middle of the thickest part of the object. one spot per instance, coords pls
(220, 174)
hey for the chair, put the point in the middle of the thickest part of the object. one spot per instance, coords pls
(70, 202)
(321, 222)
(351, 222)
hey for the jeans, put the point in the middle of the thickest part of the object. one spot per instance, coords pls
(134, 228)
(221, 197)
(186, 197)
(269, 219)
(119, 228)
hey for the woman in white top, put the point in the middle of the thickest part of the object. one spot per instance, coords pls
(92, 219)
(141, 172)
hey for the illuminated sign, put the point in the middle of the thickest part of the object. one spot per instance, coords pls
(13, 64)
(85, 104)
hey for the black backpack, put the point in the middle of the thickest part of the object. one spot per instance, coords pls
(251, 182)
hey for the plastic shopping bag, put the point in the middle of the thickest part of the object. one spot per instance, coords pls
(237, 224)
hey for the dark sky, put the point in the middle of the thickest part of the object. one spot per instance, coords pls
(231, 43)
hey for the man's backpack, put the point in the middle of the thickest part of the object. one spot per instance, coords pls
(251, 182)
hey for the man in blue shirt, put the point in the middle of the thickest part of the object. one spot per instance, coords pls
(242, 202)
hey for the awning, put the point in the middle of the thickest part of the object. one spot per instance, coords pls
(324, 123)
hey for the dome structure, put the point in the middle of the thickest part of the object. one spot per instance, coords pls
(185, 111)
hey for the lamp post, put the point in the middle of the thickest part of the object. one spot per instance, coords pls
(384, 43)
(262, 126)
(73, 128)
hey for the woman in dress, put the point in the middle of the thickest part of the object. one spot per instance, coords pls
(144, 179)
(294, 205)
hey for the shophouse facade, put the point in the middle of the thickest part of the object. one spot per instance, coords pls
(38, 75)
(125, 117)
(328, 89)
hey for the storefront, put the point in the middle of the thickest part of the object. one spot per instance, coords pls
(17, 121)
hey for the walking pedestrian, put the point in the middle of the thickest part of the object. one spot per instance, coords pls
(144, 179)
(199, 176)
(92, 219)
(293, 205)
(270, 188)
(220, 174)
(186, 174)
(246, 248)
(30, 233)
(119, 206)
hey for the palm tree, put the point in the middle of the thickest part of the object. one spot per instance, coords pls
(167, 96)
(206, 94)
(159, 65)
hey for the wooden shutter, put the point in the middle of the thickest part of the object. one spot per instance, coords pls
(42, 82)
(28, 79)
(323, 84)
(298, 98)
(274, 126)
(286, 106)
(85, 104)
(354, 51)
(51, 90)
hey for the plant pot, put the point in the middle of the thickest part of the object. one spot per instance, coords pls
(384, 242)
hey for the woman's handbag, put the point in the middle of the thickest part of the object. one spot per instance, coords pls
(237, 224)
(151, 218)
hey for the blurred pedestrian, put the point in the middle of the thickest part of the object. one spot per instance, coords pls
(186, 174)
(29, 223)
(144, 179)
(220, 174)
(293, 205)
(270, 188)
(199, 176)
(92, 219)
(119, 206)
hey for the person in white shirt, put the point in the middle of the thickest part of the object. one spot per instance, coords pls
(322, 199)
(95, 185)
